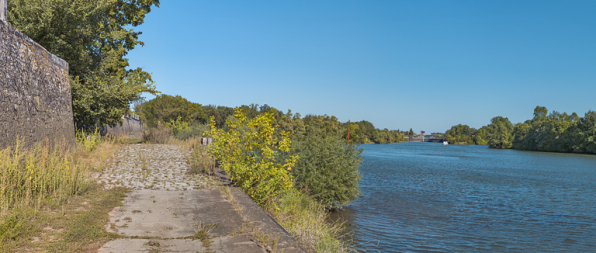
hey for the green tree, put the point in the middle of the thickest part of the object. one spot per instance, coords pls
(480, 136)
(166, 108)
(460, 134)
(500, 133)
(93, 36)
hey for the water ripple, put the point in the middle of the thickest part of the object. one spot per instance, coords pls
(423, 197)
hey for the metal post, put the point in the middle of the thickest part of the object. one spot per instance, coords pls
(3, 11)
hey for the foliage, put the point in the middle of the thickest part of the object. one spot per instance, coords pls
(558, 132)
(252, 156)
(93, 36)
(196, 130)
(460, 134)
(554, 132)
(165, 108)
(328, 169)
(481, 136)
(178, 125)
(500, 133)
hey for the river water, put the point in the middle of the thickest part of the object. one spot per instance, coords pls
(426, 197)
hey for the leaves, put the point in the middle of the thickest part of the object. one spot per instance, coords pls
(253, 157)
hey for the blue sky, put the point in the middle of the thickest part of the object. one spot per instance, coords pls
(426, 65)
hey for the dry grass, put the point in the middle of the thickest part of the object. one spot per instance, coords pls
(28, 176)
(159, 135)
(307, 221)
(41, 191)
(200, 161)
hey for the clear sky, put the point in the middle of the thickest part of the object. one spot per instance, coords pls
(426, 65)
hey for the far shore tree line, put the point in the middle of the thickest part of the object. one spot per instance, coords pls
(554, 132)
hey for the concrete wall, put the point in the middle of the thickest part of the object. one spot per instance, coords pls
(131, 126)
(35, 98)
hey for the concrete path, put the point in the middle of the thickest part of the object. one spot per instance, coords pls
(169, 210)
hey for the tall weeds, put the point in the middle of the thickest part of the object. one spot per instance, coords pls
(46, 175)
(28, 176)
(200, 160)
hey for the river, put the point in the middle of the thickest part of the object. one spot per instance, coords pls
(426, 197)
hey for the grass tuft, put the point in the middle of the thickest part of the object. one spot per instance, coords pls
(307, 221)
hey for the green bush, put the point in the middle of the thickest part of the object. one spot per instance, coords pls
(193, 131)
(327, 169)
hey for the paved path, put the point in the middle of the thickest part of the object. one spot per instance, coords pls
(169, 210)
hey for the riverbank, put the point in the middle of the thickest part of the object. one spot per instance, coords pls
(144, 196)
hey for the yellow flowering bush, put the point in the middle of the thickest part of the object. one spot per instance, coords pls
(252, 156)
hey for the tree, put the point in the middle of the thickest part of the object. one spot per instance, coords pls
(500, 133)
(93, 36)
(166, 108)
(460, 134)
(480, 136)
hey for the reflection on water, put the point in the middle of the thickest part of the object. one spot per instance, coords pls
(426, 197)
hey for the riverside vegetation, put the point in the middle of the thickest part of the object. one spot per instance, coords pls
(281, 173)
(554, 132)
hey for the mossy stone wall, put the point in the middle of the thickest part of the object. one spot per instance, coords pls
(35, 96)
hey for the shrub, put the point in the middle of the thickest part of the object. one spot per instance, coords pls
(160, 134)
(328, 169)
(251, 154)
(193, 131)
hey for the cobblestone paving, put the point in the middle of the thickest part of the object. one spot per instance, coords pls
(156, 167)
(169, 210)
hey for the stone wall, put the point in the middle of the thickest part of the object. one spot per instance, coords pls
(35, 97)
(3, 10)
(131, 126)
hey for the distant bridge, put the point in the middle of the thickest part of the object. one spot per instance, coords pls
(426, 139)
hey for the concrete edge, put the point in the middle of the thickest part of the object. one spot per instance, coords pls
(255, 214)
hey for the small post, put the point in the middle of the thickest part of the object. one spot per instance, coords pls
(3, 11)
